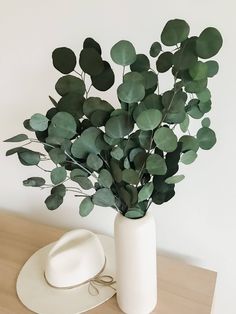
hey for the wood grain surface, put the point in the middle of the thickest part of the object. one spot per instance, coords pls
(182, 288)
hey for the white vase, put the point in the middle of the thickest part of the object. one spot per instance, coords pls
(135, 246)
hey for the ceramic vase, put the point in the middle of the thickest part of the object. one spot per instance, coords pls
(136, 266)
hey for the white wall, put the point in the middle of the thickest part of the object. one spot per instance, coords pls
(198, 225)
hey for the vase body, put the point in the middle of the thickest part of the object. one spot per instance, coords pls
(136, 267)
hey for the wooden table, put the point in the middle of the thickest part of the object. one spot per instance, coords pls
(183, 289)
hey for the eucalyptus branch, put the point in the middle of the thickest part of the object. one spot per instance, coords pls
(37, 141)
(82, 167)
(45, 170)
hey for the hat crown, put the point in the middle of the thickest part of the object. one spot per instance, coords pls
(76, 257)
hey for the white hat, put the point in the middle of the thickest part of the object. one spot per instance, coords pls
(71, 276)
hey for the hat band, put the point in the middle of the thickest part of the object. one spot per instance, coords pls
(98, 280)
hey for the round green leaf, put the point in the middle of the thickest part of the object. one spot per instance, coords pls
(93, 104)
(206, 122)
(189, 143)
(91, 62)
(149, 119)
(185, 124)
(17, 138)
(209, 43)
(86, 206)
(86, 143)
(70, 83)
(57, 155)
(174, 179)
(105, 79)
(64, 60)
(78, 173)
(150, 81)
(133, 213)
(185, 57)
(59, 190)
(28, 157)
(141, 63)
(188, 157)
(72, 103)
(94, 162)
(174, 32)
(130, 176)
(103, 197)
(91, 43)
(205, 107)
(145, 192)
(165, 139)
(131, 91)
(123, 53)
(84, 182)
(155, 49)
(212, 68)
(198, 71)
(105, 178)
(39, 122)
(34, 182)
(119, 126)
(193, 109)
(117, 153)
(164, 62)
(62, 125)
(53, 201)
(156, 165)
(134, 76)
(58, 175)
(195, 86)
(204, 95)
(206, 138)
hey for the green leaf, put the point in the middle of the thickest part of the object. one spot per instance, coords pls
(212, 68)
(185, 124)
(134, 213)
(39, 122)
(134, 76)
(149, 119)
(198, 71)
(193, 109)
(28, 157)
(91, 43)
(119, 126)
(209, 43)
(189, 143)
(131, 91)
(93, 104)
(59, 190)
(130, 176)
(141, 63)
(206, 122)
(72, 103)
(64, 60)
(155, 49)
(15, 150)
(150, 81)
(78, 173)
(53, 201)
(86, 206)
(105, 79)
(62, 125)
(103, 197)
(174, 179)
(205, 107)
(204, 95)
(117, 153)
(123, 53)
(185, 57)
(53, 101)
(17, 138)
(34, 182)
(145, 192)
(188, 157)
(165, 139)
(69, 83)
(94, 162)
(156, 165)
(54, 140)
(206, 138)
(174, 32)
(58, 175)
(91, 62)
(105, 178)
(57, 155)
(195, 86)
(86, 143)
(164, 62)
(84, 182)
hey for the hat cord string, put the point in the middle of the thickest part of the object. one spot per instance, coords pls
(98, 280)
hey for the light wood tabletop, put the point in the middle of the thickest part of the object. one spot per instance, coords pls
(182, 288)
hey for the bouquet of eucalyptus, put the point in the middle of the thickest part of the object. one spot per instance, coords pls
(126, 157)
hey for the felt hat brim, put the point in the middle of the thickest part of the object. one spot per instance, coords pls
(38, 296)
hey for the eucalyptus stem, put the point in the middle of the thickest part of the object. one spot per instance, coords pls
(45, 170)
(80, 74)
(82, 167)
(123, 72)
(37, 141)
